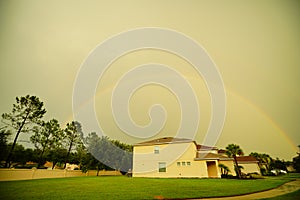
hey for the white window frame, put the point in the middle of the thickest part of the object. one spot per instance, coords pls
(156, 149)
(162, 167)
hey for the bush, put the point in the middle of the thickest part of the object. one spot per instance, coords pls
(229, 176)
(254, 175)
(263, 171)
(269, 174)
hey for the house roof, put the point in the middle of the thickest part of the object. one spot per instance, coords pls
(222, 151)
(171, 140)
(205, 148)
(211, 156)
(244, 159)
(164, 140)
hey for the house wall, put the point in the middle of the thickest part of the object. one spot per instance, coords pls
(229, 164)
(145, 162)
(208, 151)
(249, 168)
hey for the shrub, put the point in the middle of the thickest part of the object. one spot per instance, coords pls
(229, 176)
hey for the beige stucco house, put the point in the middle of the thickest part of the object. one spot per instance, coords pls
(249, 164)
(176, 157)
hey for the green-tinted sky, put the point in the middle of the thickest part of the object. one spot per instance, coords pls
(255, 44)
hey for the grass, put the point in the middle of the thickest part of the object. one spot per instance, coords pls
(121, 187)
(292, 196)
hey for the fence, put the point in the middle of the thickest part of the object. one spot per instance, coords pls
(25, 174)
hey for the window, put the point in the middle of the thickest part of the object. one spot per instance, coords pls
(156, 150)
(184, 163)
(162, 167)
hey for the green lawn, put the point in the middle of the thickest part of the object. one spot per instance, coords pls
(291, 196)
(121, 187)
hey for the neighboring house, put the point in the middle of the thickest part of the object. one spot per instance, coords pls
(178, 157)
(249, 164)
(72, 166)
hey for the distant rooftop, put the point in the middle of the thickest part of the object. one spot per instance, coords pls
(241, 159)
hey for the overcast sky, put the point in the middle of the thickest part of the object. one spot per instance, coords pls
(255, 45)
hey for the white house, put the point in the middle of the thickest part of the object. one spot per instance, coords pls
(179, 157)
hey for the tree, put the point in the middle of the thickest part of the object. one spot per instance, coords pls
(125, 155)
(21, 155)
(224, 170)
(258, 157)
(73, 134)
(233, 150)
(30, 155)
(85, 160)
(26, 110)
(88, 162)
(98, 150)
(267, 160)
(56, 155)
(112, 153)
(46, 137)
(296, 161)
(278, 164)
(264, 161)
(4, 135)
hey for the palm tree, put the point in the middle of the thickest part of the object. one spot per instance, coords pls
(224, 169)
(233, 150)
(259, 157)
(264, 161)
(267, 160)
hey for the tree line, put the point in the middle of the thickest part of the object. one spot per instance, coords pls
(55, 144)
